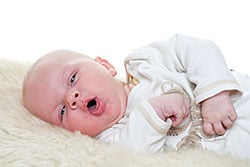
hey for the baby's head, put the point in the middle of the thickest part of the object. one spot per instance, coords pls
(74, 91)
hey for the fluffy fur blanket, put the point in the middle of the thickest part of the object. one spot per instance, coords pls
(28, 141)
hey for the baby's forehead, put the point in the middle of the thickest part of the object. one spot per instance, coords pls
(60, 56)
(56, 59)
(53, 64)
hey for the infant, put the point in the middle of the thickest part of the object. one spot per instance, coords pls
(179, 92)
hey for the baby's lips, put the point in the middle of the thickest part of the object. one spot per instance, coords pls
(94, 106)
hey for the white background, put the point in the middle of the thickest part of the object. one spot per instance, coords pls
(112, 28)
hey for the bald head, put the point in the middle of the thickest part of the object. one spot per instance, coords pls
(71, 90)
(38, 78)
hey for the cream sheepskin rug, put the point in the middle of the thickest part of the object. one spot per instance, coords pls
(28, 141)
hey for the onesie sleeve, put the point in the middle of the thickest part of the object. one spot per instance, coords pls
(201, 60)
(142, 131)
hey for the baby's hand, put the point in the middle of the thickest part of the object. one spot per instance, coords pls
(172, 106)
(218, 113)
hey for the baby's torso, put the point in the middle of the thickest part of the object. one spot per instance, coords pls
(189, 133)
(151, 78)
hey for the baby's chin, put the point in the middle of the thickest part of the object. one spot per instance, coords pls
(92, 134)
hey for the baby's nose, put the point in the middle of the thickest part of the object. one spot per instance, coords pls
(72, 98)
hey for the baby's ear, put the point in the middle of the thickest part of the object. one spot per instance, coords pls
(107, 65)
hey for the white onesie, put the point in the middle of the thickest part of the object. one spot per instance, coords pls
(195, 68)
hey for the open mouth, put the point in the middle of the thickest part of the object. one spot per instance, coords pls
(92, 104)
(95, 106)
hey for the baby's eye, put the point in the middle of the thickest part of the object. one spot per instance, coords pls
(72, 79)
(62, 112)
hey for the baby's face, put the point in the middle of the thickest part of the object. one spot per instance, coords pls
(75, 92)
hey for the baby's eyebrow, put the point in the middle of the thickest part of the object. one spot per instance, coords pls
(65, 76)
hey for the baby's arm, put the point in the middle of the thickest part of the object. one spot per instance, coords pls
(206, 68)
(172, 106)
(218, 113)
(141, 123)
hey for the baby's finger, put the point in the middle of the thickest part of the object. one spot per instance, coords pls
(178, 116)
(186, 111)
(227, 123)
(233, 117)
(208, 128)
(176, 121)
(219, 129)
